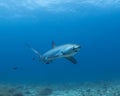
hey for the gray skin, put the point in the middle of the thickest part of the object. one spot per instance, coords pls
(64, 51)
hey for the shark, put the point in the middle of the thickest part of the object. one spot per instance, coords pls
(66, 51)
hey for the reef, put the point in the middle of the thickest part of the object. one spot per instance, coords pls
(45, 92)
(111, 88)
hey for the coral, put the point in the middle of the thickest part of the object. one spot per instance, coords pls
(27, 92)
(4, 94)
(4, 91)
(11, 90)
(18, 94)
(45, 92)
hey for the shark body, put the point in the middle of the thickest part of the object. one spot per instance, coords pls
(64, 51)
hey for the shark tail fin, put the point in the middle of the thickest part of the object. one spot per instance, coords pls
(35, 51)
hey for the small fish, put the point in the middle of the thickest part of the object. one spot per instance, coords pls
(14, 68)
(33, 58)
(66, 51)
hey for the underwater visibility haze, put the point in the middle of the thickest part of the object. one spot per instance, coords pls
(93, 24)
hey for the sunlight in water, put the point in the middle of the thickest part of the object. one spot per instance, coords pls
(19, 8)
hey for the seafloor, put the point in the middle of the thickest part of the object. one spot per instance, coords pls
(103, 88)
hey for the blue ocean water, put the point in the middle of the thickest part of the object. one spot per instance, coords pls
(94, 25)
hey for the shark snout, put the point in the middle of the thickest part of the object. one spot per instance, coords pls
(76, 48)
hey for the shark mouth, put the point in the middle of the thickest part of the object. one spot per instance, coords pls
(76, 49)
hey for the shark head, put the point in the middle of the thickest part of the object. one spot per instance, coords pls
(76, 48)
(71, 49)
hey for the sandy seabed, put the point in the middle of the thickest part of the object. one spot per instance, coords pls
(103, 88)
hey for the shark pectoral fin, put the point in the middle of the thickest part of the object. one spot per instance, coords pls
(72, 59)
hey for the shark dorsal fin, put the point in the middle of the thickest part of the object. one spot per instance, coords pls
(71, 59)
(53, 44)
